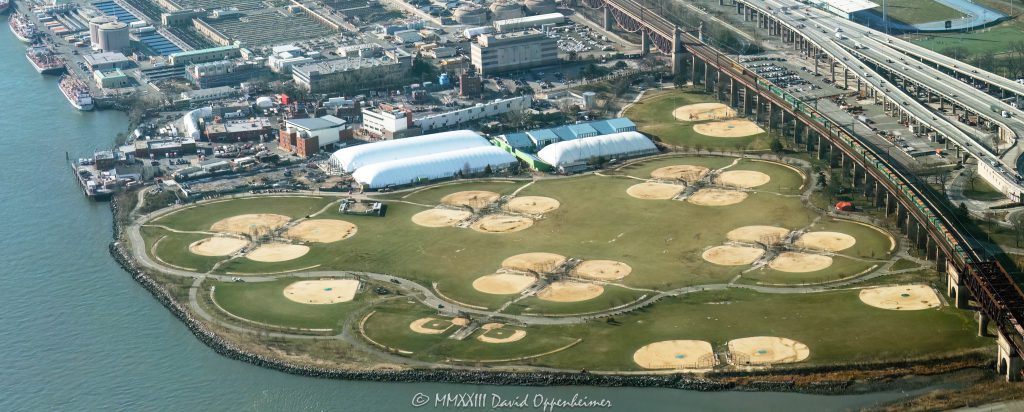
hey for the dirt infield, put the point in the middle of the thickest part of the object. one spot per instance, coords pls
(419, 326)
(534, 262)
(716, 197)
(502, 224)
(602, 270)
(506, 335)
(906, 297)
(244, 223)
(758, 234)
(830, 241)
(654, 191)
(277, 252)
(322, 292)
(702, 111)
(795, 262)
(503, 283)
(728, 128)
(564, 291)
(686, 173)
(732, 255)
(767, 350)
(475, 199)
(321, 230)
(440, 217)
(675, 354)
(534, 205)
(217, 246)
(743, 178)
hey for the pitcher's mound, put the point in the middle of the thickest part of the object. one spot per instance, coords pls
(503, 283)
(322, 292)
(502, 224)
(534, 262)
(767, 350)
(732, 255)
(716, 197)
(795, 262)
(564, 291)
(430, 326)
(321, 230)
(502, 335)
(907, 297)
(743, 178)
(686, 173)
(534, 205)
(602, 270)
(702, 111)
(728, 128)
(653, 190)
(245, 223)
(676, 354)
(758, 234)
(440, 217)
(277, 252)
(217, 246)
(830, 241)
(475, 199)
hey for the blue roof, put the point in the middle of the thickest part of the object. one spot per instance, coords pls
(575, 131)
(620, 124)
(159, 44)
(519, 140)
(543, 135)
(112, 9)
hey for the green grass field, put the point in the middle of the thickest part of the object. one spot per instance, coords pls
(265, 302)
(848, 331)
(994, 39)
(653, 116)
(919, 11)
(983, 191)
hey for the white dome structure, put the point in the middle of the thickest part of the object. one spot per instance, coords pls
(467, 14)
(579, 151)
(352, 158)
(538, 7)
(432, 166)
(504, 9)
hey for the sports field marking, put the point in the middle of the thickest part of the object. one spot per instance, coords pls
(602, 270)
(732, 255)
(654, 191)
(502, 224)
(421, 326)
(321, 230)
(322, 292)
(676, 354)
(686, 173)
(534, 262)
(768, 235)
(244, 224)
(440, 217)
(906, 297)
(503, 283)
(767, 350)
(827, 241)
(277, 252)
(566, 291)
(217, 246)
(745, 179)
(796, 262)
(702, 111)
(729, 128)
(476, 199)
(534, 205)
(716, 197)
(501, 335)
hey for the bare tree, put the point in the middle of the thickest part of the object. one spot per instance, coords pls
(1017, 221)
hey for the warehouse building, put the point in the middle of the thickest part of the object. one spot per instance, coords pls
(469, 114)
(424, 168)
(352, 158)
(575, 155)
(316, 77)
(239, 130)
(203, 55)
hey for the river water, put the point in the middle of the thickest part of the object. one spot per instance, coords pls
(77, 333)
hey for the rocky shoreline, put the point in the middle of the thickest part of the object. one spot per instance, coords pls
(760, 380)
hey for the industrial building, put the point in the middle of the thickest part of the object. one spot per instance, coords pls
(576, 154)
(213, 93)
(317, 76)
(424, 168)
(239, 130)
(203, 55)
(351, 158)
(496, 53)
(113, 79)
(153, 149)
(387, 122)
(480, 111)
(844, 8)
(518, 24)
(328, 130)
(106, 61)
(224, 73)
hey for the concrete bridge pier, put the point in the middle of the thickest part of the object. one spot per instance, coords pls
(955, 286)
(608, 20)
(747, 101)
(1007, 362)
(982, 324)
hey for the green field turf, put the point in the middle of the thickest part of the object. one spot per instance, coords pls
(919, 11)
(995, 39)
(204, 215)
(265, 302)
(848, 331)
(653, 116)
(662, 240)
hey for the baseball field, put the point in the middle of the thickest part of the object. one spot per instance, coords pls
(679, 262)
(689, 118)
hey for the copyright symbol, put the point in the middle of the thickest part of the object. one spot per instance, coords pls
(420, 399)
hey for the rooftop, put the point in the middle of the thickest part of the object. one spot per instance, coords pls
(850, 6)
(105, 58)
(235, 126)
(317, 123)
(340, 65)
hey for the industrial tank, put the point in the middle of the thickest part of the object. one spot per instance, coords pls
(541, 6)
(94, 27)
(470, 15)
(113, 36)
(504, 9)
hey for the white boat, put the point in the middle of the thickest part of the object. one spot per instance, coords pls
(23, 29)
(76, 92)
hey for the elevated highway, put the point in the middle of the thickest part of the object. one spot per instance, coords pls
(927, 221)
